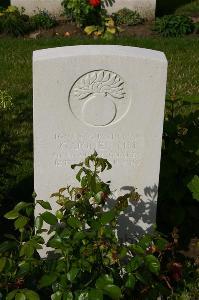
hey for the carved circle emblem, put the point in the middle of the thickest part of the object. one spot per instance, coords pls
(99, 98)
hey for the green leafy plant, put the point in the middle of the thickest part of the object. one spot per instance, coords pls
(107, 30)
(19, 263)
(128, 17)
(174, 26)
(14, 22)
(87, 260)
(193, 186)
(83, 12)
(43, 20)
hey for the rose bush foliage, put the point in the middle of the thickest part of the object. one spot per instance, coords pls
(86, 259)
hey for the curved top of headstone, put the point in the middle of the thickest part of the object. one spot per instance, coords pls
(102, 50)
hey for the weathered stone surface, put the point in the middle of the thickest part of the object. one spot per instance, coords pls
(104, 98)
(31, 6)
(145, 7)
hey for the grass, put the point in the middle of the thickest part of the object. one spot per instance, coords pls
(182, 55)
(16, 78)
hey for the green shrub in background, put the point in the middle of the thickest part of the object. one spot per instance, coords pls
(42, 20)
(174, 26)
(87, 259)
(107, 30)
(128, 17)
(14, 22)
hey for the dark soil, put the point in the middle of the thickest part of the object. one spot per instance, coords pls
(62, 29)
(67, 29)
(70, 30)
(142, 30)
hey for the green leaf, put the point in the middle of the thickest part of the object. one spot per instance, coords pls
(56, 296)
(83, 296)
(31, 295)
(108, 36)
(95, 294)
(80, 235)
(2, 263)
(67, 296)
(141, 278)
(90, 29)
(113, 291)
(152, 264)
(103, 280)
(10, 236)
(49, 218)
(24, 268)
(22, 205)
(47, 280)
(45, 204)
(137, 249)
(11, 295)
(55, 242)
(161, 244)
(107, 217)
(92, 181)
(11, 215)
(21, 222)
(193, 186)
(20, 296)
(78, 176)
(38, 222)
(145, 241)
(134, 264)
(26, 249)
(130, 283)
(74, 222)
(72, 274)
(99, 197)
(111, 30)
(7, 245)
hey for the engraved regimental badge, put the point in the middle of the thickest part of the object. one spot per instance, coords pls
(99, 98)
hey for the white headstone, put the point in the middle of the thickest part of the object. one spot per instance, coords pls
(145, 7)
(54, 7)
(104, 98)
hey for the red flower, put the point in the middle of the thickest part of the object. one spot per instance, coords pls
(94, 3)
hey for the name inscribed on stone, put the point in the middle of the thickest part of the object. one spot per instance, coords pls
(117, 148)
